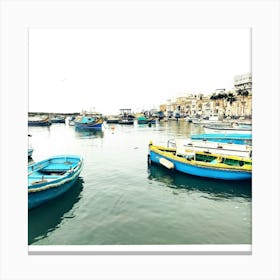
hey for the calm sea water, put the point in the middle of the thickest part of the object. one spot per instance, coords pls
(119, 199)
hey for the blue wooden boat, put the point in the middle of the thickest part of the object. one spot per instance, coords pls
(244, 139)
(144, 120)
(51, 178)
(89, 122)
(39, 121)
(201, 164)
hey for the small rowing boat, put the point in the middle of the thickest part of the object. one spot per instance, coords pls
(51, 178)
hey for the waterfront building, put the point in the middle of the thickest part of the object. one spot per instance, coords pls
(243, 82)
(243, 89)
(235, 102)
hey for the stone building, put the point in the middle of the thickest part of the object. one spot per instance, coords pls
(235, 102)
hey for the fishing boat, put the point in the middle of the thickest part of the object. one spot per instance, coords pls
(239, 150)
(51, 178)
(201, 164)
(224, 138)
(144, 120)
(39, 121)
(233, 128)
(213, 119)
(112, 119)
(126, 117)
(89, 122)
(58, 119)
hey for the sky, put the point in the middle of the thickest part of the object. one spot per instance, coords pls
(106, 69)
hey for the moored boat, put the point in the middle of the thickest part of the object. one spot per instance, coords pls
(234, 128)
(201, 164)
(30, 148)
(144, 120)
(126, 117)
(39, 121)
(57, 119)
(89, 122)
(30, 152)
(51, 178)
(224, 138)
(112, 119)
(214, 119)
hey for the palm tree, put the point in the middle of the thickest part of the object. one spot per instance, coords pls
(231, 98)
(220, 96)
(243, 93)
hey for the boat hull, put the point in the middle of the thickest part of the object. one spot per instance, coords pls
(37, 199)
(126, 122)
(50, 187)
(224, 138)
(89, 126)
(230, 130)
(39, 123)
(201, 171)
(114, 121)
(57, 120)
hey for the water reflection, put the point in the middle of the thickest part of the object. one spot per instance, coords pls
(89, 133)
(181, 128)
(46, 218)
(215, 188)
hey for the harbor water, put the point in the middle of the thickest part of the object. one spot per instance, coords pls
(120, 200)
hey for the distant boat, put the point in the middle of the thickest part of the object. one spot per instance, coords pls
(211, 147)
(112, 119)
(207, 120)
(144, 120)
(126, 121)
(234, 128)
(71, 120)
(30, 152)
(201, 164)
(89, 122)
(39, 121)
(126, 117)
(30, 148)
(51, 178)
(224, 138)
(57, 119)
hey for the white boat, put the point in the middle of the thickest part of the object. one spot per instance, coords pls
(30, 151)
(207, 120)
(234, 128)
(231, 149)
(30, 148)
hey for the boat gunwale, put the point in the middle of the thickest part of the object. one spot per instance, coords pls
(65, 178)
